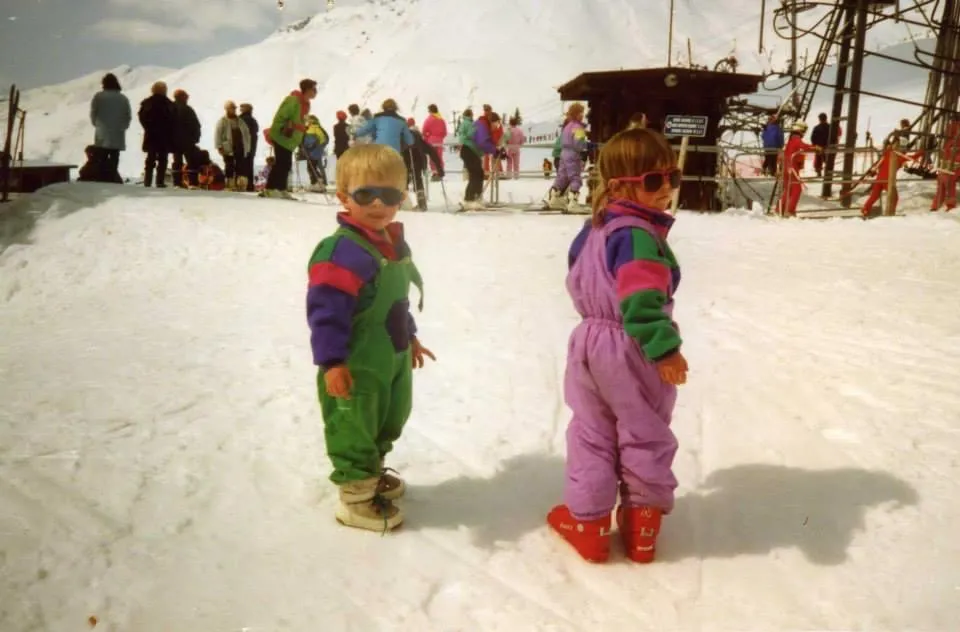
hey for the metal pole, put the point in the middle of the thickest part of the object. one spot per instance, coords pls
(793, 44)
(839, 89)
(670, 38)
(763, 18)
(855, 80)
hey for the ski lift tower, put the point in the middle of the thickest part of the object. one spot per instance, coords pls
(843, 30)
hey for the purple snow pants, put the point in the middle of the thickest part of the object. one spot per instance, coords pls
(620, 430)
(569, 172)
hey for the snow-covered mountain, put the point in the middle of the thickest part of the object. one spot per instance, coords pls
(510, 53)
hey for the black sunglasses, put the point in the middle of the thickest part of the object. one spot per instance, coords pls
(652, 181)
(366, 195)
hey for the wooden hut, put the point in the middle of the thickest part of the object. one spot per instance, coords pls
(614, 96)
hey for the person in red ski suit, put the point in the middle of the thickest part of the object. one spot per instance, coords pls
(949, 170)
(883, 174)
(793, 161)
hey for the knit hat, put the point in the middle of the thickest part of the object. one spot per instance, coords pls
(411, 122)
(341, 116)
(799, 128)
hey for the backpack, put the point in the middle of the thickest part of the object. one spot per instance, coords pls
(323, 139)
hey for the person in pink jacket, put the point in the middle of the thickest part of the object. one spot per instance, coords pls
(434, 131)
(515, 140)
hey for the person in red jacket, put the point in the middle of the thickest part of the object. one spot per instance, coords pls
(793, 161)
(883, 174)
(949, 170)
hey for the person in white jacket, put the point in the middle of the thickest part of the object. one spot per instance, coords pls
(232, 140)
(356, 121)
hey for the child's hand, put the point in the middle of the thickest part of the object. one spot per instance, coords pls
(417, 351)
(673, 369)
(338, 381)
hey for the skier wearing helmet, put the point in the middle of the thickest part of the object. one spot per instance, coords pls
(341, 137)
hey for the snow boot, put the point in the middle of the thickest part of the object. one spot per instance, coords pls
(318, 188)
(390, 486)
(421, 201)
(591, 538)
(363, 507)
(573, 203)
(472, 205)
(553, 201)
(639, 527)
(230, 184)
(148, 178)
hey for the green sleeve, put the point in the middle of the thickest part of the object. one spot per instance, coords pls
(642, 284)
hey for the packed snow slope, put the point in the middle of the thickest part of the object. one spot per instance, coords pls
(162, 463)
(510, 53)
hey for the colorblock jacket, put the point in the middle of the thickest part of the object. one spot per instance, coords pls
(646, 273)
(341, 276)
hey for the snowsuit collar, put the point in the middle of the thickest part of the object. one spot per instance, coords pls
(390, 242)
(661, 221)
(389, 114)
(304, 103)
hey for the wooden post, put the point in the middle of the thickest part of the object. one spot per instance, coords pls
(680, 162)
(892, 178)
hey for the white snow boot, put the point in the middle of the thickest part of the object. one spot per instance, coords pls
(319, 187)
(554, 201)
(573, 203)
(364, 507)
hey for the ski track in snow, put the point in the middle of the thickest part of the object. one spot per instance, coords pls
(162, 463)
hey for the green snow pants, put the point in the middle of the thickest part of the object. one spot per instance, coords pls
(361, 430)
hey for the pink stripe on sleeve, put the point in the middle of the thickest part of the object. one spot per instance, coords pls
(641, 275)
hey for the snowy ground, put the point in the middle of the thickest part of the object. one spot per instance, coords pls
(162, 463)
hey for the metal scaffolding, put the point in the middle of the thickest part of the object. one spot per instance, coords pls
(841, 27)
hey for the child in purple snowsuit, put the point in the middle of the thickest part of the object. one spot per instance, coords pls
(624, 359)
(573, 142)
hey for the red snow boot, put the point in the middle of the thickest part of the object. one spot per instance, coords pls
(591, 538)
(639, 527)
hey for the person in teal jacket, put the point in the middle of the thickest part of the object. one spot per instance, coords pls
(286, 134)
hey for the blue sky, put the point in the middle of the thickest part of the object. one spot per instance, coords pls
(50, 41)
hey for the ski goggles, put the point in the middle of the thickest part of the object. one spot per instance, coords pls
(366, 195)
(652, 181)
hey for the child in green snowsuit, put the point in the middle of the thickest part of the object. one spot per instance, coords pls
(363, 335)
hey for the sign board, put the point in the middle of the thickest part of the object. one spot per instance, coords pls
(685, 125)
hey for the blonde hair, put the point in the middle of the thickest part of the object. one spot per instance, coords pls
(363, 164)
(629, 153)
(575, 110)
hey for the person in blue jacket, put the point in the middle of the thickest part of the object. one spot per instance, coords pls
(388, 128)
(772, 137)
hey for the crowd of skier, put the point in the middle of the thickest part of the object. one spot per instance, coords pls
(171, 128)
(484, 143)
